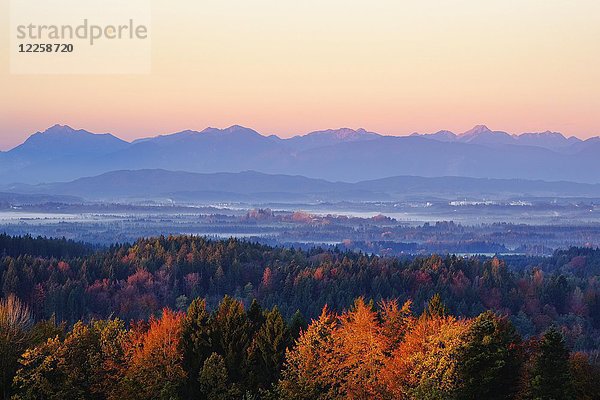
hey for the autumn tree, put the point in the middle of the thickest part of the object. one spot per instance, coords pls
(155, 368)
(40, 376)
(436, 307)
(15, 324)
(359, 352)
(88, 363)
(586, 377)
(306, 374)
(395, 321)
(425, 365)
(344, 356)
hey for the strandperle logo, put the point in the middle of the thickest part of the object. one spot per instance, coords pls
(85, 30)
(80, 37)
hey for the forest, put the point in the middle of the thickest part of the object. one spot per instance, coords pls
(184, 317)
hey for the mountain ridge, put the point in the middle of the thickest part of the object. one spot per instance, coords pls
(340, 133)
(163, 184)
(63, 153)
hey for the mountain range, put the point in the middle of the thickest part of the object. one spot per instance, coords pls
(250, 186)
(482, 135)
(63, 154)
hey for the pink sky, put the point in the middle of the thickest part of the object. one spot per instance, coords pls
(289, 67)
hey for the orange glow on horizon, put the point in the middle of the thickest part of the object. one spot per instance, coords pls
(286, 67)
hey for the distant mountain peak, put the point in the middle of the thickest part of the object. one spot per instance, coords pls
(58, 128)
(198, 135)
(477, 130)
(329, 137)
(542, 134)
(233, 129)
(440, 136)
(347, 133)
(548, 139)
(237, 127)
(61, 140)
(444, 134)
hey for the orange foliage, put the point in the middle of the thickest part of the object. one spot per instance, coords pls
(425, 358)
(63, 266)
(319, 274)
(375, 354)
(155, 359)
(345, 356)
(396, 321)
(308, 364)
(360, 352)
(267, 277)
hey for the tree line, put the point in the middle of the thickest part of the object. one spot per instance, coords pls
(372, 350)
(136, 281)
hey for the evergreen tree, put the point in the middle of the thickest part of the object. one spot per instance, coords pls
(298, 324)
(214, 380)
(489, 361)
(231, 335)
(196, 343)
(551, 378)
(267, 351)
(11, 280)
(255, 315)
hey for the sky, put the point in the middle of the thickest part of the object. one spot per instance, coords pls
(289, 67)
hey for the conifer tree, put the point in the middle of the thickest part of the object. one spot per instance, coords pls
(551, 378)
(214, 380)
(196, 343)
(298, 324)
(489, 359)
(255, 315)
(231, 333)
(305, 375)
(267, 351)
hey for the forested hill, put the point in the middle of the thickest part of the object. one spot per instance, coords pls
(136, 281)
(15, 246)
